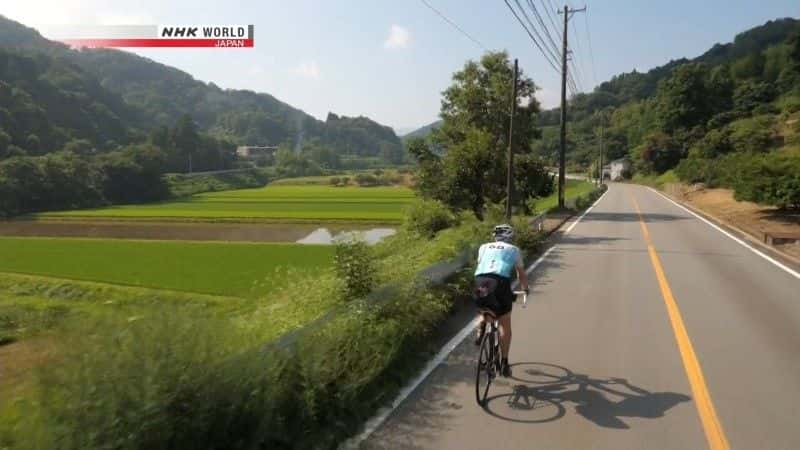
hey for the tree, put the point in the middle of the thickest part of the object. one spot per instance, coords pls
(186, 139)
(683, 100)
(133, 175)
(751, 94)
(5, 142)
(794, 49)
(749, 67)
(321, 155)
(80, 147)
(720, 87)
(657, 154)
(474, 135)
(532, 178)
(290, 164)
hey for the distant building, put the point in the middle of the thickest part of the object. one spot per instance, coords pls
(252, 151)
(617, 169)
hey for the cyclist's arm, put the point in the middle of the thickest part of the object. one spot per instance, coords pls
(522, 276)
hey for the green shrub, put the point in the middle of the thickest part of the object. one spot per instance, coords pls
(335, 181)
(790, 104)
(152, 381)
(667, 177)
(698, 170)
(714, 143)
(427, 217)
(766, 108)
(364, 179)
(389, 178)
(525, 237)
(355, 265)
(722, 119)
(751, 94)
(754, 134)
(181, 185)
(772, 179)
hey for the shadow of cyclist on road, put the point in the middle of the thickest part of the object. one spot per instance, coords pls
(603, 401)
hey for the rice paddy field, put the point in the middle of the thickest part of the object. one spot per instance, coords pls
(166, 252)
(285, 203)
(219, 268)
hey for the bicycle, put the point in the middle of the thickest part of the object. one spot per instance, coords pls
(489, 354)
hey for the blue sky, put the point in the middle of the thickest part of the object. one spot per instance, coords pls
(389, 60)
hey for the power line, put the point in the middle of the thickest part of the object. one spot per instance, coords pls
(552, 52)
(591, 53)
(553, 9)
(577, 66)
(577, 78)
(544, 26)
(551, 63)
(572, 85)
(454, 25)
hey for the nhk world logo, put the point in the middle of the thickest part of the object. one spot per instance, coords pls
(219, 36)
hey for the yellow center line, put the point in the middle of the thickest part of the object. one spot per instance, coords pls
(705, 407)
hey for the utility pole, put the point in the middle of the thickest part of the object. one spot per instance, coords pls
(562, 154)
(510, 172)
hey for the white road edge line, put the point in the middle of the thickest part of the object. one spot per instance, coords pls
(739, 241)
(585, 212)
(377, 420)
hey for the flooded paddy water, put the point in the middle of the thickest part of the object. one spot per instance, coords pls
(246, 232)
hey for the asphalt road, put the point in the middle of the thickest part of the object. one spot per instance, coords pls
(646, 329)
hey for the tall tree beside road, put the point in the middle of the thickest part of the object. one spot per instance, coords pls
(474, 137)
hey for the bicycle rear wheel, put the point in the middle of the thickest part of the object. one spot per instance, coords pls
(485, 368)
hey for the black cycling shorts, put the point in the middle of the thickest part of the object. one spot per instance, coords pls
(493, 292)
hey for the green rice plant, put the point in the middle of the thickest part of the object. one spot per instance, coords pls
(271, 203)
(218, 268)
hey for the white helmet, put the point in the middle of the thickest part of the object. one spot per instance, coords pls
(503, 233)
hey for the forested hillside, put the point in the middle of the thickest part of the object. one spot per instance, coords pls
(728, 117)
(141, 94)
(88, 127)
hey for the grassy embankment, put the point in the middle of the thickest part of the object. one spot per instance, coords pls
(656, 181)
(170, 374)
(574, 189)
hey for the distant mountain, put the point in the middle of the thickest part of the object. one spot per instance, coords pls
(141, 94)
(423, 131)
(402, 131)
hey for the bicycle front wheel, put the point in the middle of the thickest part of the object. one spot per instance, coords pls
(485, 369)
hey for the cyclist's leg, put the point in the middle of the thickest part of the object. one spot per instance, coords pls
(484, 296)
(505, 333)
(481, 330)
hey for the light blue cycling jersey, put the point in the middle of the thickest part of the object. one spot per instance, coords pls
(498, 258)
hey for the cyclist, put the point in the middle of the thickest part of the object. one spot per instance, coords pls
(497, 261)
